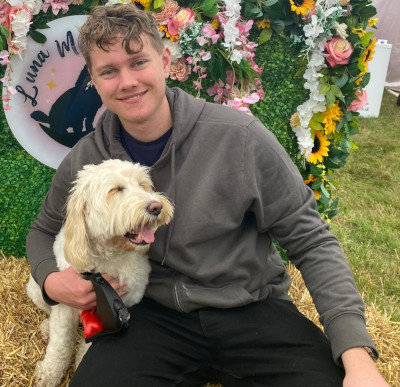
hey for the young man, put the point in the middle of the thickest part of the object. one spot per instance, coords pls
(217, 305)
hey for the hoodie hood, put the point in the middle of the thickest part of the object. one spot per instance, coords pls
(108, 136)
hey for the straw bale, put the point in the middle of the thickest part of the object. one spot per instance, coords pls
(22, 345)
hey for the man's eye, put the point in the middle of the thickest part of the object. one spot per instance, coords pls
(140, 63)
(107, 72)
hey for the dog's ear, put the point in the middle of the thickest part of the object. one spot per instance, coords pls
(76, 239)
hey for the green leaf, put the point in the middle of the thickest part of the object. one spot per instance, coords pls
(42, 26)
(158, 3)
(5, 32)
(316, 185)
(325, 87)
(337, 91)
(270, 3)
(319, 117)
(366, 38)
(330, 98)
(37, 36)
(265, 35)
(221, 64)
(324, 191)
(205, 5)
(277, 25)
(315, 125)
(211, 12)
(342, 80)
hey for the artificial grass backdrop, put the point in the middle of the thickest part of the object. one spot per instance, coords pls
(25, 181)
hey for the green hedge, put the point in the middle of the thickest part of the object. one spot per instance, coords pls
(25, 181)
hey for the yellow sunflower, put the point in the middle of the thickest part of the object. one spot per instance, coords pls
(368, 54)
(301, 6)
(320, 147)
(332, 116)
(143, 3)
(309, 182)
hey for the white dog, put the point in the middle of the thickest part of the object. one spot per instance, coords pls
(112, 213)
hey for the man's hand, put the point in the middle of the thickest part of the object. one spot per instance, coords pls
(361, 370)
(71, 288)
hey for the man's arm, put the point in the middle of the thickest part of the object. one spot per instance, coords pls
(361, 370)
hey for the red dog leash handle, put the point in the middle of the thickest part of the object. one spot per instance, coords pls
(91, 322)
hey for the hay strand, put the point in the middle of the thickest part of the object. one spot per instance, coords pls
(22, 345)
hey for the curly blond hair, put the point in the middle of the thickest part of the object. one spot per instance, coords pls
(107, 25)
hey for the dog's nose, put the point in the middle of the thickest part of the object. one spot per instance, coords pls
(154, 208)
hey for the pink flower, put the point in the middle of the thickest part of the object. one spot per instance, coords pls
(179, 70)
(339, 51)
(197, 85)
(359, 102)
(209, 32)
(56, 5)
(4, 14)
(180, 21)
(4, 58)
(168, 10)
(10, 90)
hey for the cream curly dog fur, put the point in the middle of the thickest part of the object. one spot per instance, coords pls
(112, 213)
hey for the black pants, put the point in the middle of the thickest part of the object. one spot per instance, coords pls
(268, 343)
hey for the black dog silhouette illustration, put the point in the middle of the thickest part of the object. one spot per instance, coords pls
(72, 114)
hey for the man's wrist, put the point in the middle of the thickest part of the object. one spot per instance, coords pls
(371, 354)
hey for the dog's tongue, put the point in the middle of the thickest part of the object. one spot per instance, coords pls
(147, 235)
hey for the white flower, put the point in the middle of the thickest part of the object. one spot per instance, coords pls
(340, 29)
(20, 23)
(232, 8)
(231, 34)
(236, 56)
(175, 49)
(34, 6)
(313, 29)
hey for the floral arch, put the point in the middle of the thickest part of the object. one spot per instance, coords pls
(222, 50)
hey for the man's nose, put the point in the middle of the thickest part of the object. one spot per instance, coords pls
(127, 79)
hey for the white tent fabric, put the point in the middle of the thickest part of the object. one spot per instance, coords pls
(389, 29)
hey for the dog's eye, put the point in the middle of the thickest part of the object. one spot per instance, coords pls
(146, 186)
(114, 190)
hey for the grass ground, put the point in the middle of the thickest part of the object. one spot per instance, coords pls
(368, 226)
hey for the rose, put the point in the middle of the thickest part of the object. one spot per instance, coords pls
(359, 102)
(179, 70)
(180, 21)
(168, 10)
(339, 51)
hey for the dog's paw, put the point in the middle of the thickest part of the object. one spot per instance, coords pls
(45, 375)
(45, 330)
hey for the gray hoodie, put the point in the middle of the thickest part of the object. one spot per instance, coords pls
(235, 190)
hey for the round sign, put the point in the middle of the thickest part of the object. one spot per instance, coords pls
(55, 104)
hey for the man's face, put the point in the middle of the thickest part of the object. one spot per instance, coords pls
(132, 85)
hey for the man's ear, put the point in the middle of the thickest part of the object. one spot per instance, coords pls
(166, 58)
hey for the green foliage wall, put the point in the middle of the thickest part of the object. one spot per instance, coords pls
(25, 181)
